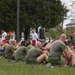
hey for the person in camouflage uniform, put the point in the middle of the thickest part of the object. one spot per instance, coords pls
(9, 50)
(57, 50)
(20, 53)
(36, 55)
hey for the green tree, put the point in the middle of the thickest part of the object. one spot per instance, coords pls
(47, 13)
(8, 14)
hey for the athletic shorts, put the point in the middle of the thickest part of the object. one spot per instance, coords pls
(34, 43)
(55, 61)
(31, 61)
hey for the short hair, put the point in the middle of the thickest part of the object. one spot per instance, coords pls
(38, 43)
(13, 41)
(63, 35)
(27, 42)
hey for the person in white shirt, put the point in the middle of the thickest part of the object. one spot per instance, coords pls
(4, 35)
(34, 37)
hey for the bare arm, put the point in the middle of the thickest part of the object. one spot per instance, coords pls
(48, 46)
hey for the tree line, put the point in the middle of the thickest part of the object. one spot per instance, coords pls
(33, 13)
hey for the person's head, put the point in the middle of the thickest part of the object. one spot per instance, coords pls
(33, 30)
(27, 43)
(38, 44)
(2, 31)
(13, 42)
(22, 43)
(63, 37)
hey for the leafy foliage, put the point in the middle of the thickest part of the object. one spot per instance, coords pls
(33, 13)
(7, 14)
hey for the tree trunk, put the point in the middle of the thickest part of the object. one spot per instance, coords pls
(27, 34)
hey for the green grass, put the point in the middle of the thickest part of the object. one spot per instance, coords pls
(21, 68)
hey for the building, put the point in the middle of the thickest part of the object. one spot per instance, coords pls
(70, 27)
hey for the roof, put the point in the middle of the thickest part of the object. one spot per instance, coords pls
(70, 24)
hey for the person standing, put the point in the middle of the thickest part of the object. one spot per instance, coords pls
(34, 37)
(4, 35)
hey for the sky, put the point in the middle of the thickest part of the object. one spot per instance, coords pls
(67, 3)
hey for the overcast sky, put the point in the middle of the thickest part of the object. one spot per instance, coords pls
(67, 3)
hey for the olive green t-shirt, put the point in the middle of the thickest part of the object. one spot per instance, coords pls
(29, 46)
(57, 48)
(33, 53)
(20, 53)
(9, 51)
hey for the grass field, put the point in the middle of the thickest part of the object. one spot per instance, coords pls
(21, 68)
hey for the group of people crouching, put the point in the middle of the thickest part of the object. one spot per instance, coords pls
(52, 52)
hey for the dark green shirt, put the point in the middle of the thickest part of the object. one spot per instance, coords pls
(20, 53)
(9, 51)
(29, 46)
(57, 48)
(33, 53)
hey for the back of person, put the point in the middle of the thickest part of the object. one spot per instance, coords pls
(20, 53)
(9, 52)
(29, 46)
(32, 54)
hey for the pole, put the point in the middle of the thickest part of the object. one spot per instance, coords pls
(18, 21)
